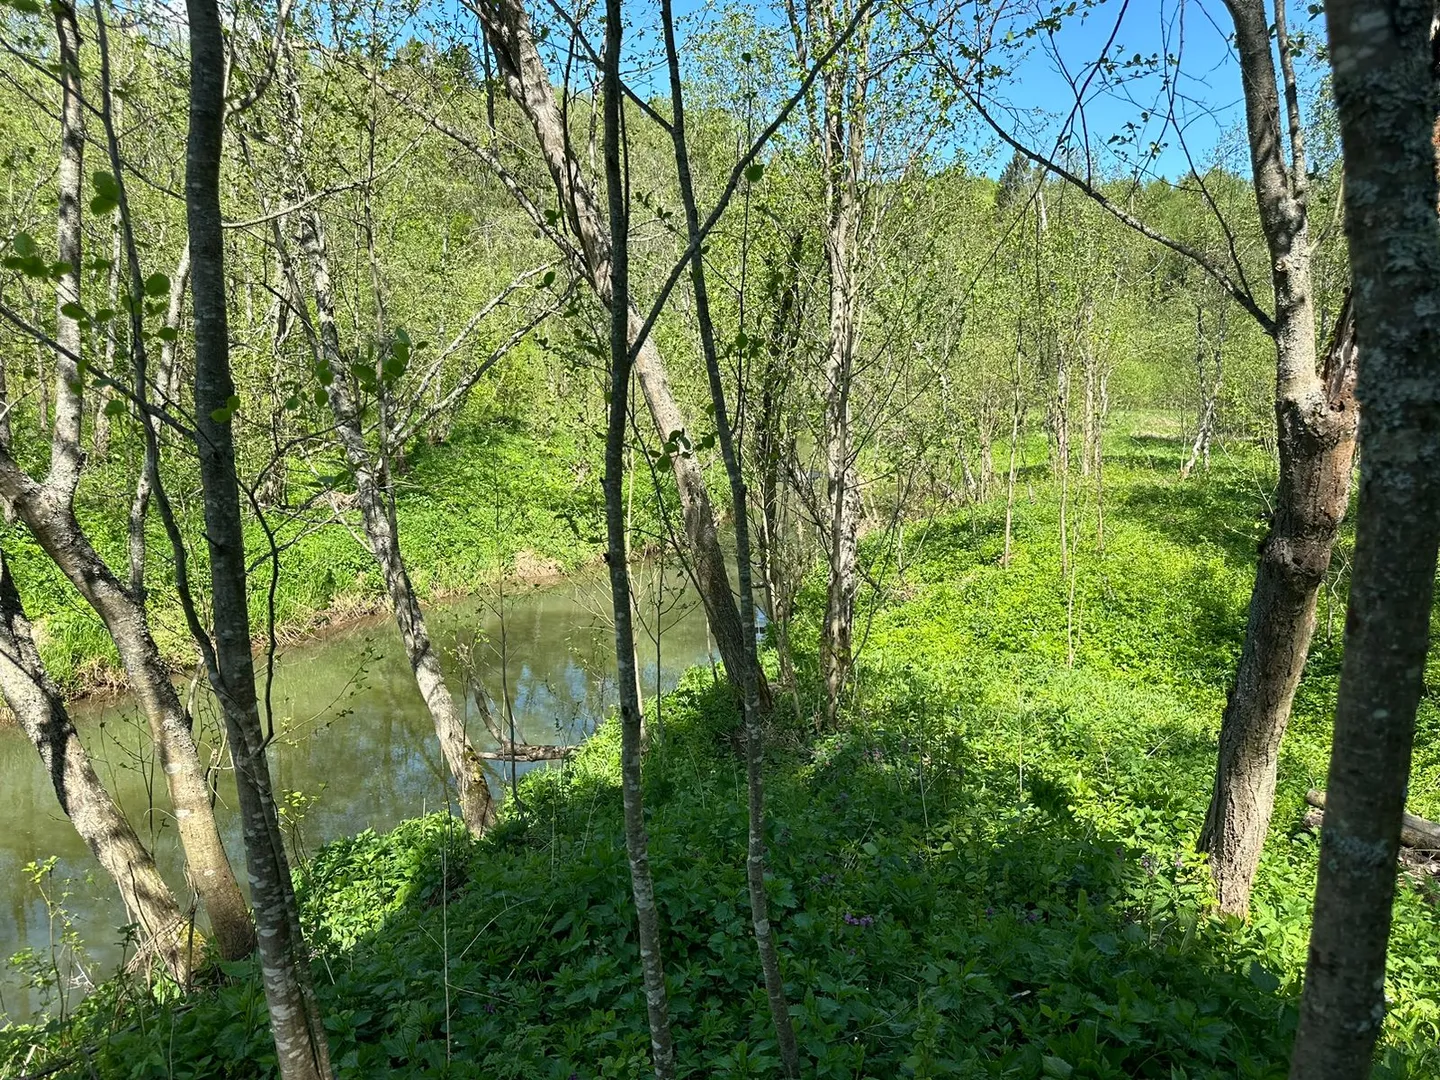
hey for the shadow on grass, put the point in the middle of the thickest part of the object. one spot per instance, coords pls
(933, 921)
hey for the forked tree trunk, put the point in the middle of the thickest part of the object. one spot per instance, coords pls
(1317, 449)
(1316, 422)
(164, 930)
(372, 491)
(1384, 92)
(637, 841)
(301, 1045)
(47, 509)
(507, 29)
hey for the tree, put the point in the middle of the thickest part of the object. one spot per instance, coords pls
(740, 508)
(617, 277)
(163, 929)
(301, 1044)
(47, 507)
(1315, 423)
(1382, 58)
(372, 480)
(509, 33)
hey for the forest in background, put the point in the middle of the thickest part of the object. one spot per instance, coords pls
(348, 309)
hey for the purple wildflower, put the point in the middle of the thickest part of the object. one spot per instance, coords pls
(490, 1007)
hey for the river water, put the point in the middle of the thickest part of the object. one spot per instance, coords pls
(355, 746)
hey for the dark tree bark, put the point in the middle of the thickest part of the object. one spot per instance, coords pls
(750, 691)
(637, 841)
(1385, 94)
(1316, 420)
(163, 929)
(301, 1046)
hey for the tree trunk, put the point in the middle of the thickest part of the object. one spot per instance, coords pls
(1385, 97)
(66, 456)
(841, 135)
(506, 26)
(637, 841)
(48, 512)
(842, 480)
(373, 495)
(750, 696)
(1316, 420)
(301, 1046)
(1317, 448)
(164, 930)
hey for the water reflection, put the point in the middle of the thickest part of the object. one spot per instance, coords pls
(354, 747)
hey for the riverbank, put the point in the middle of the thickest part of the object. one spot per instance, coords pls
(988, 872)
(495, 503)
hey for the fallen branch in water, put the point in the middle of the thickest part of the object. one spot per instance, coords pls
(527, 752)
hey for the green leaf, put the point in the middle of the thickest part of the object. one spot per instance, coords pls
(549, 278)
(167, 333)
(72, 310)
(1263, 978)
(107, 192)
(115, 407)
(754, 171)
(1057, 1067)
(157, 285)
(24, 244)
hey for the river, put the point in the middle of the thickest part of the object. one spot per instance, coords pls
(354, 745)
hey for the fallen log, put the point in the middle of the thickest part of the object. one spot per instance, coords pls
(1415, 832)
(528, 752)
(1418, 862)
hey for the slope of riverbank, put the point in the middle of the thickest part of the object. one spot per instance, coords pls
(988, 872)
(495, 500)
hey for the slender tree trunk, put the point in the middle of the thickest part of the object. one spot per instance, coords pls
(372, 492)
(507, 29)
(1386, 100)
(1016, 406)
(637, 842)
(750, 696)
(841, 135)
(1316, 421)
(66, 456)
(842, 480)
(100, 438)
(301, 1046)
(164, 378)
(164, 930)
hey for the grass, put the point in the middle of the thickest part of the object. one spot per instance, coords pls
(497, 498)
(1012, 802)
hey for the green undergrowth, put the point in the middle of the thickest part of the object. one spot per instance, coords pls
(495, 498)
(987, 872)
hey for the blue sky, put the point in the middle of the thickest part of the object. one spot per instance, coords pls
(1037, 99)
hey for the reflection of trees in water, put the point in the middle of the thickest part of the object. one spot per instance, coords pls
(351, 729)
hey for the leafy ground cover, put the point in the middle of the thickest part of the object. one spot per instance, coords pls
(988, 872)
